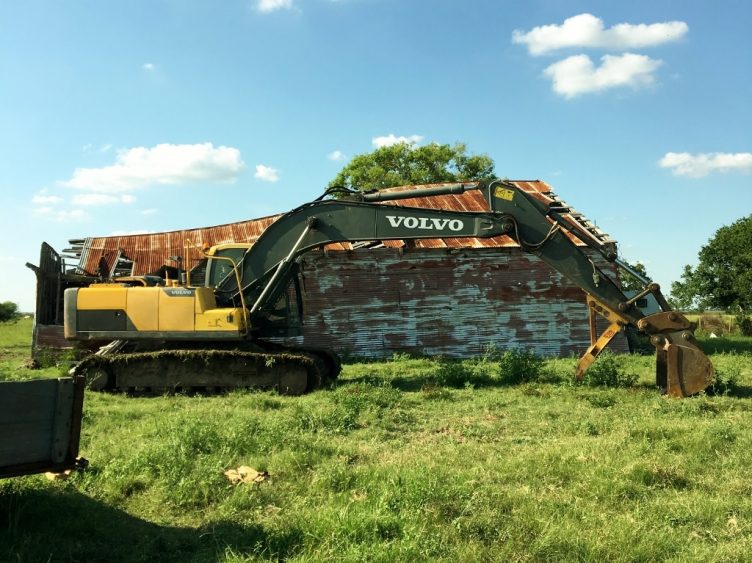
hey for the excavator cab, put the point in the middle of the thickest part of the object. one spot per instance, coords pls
(283, 316)
(217, 263)
(278, 317)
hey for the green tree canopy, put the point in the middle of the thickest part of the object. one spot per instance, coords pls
(630, 282)
(407, 164)
(8, 311)
(723, 276)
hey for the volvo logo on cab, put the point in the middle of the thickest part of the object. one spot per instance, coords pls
(425, 223)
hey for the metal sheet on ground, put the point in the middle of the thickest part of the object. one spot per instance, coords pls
(40, 423)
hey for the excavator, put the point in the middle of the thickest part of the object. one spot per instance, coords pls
(211, 329)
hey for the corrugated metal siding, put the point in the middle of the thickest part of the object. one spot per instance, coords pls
(377, 302)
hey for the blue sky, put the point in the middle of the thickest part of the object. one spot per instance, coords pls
(156, 115)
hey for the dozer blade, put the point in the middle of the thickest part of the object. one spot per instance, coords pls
(682, 369)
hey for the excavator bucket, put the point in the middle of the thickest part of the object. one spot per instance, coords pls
(682, 369)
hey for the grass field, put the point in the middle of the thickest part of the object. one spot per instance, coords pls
(410, 459)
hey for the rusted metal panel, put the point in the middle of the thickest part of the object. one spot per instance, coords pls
(149, 252)
(40, 425)
(50, 336)
(448, 302)
(49, 283)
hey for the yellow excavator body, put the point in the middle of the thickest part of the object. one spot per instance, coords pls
(116, 311)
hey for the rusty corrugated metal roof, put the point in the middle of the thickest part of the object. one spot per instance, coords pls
(148, 252)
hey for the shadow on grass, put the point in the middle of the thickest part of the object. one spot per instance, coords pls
(50, 524)
(736, 391)
(401, 383)
(408, 384)
(423, 382)
(726, 345)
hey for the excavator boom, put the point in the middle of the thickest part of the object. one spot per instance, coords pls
(681, 367)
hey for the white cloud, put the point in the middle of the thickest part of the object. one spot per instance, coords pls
(699, 165)
(392, 139)
(586, 30)
(149, 211)
(90, 148)
(163, 164)
(577, 75)
(101, 199)
(336, 156)
(71, 215)
(266, 173)
(149, 67)
(267, 6)
(42, 199)
(62, 216)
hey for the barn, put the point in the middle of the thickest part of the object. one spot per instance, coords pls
(448, 297)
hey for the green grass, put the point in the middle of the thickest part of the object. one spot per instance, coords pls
(410, 459)
(15, 353)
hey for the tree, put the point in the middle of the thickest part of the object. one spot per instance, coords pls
(723, 276)
(630, 282)
(405, 164)
(8, 311)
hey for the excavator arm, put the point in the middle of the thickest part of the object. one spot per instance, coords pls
(266, 268)
(682, 369)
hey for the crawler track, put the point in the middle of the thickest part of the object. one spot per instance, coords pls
(290, 371)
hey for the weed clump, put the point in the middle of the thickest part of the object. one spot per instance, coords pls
(468, 373)
(520, 366)
(608, 371)
(725, 381)
(511, 367)
(457, 374)
(44, 357)
(744, 324)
